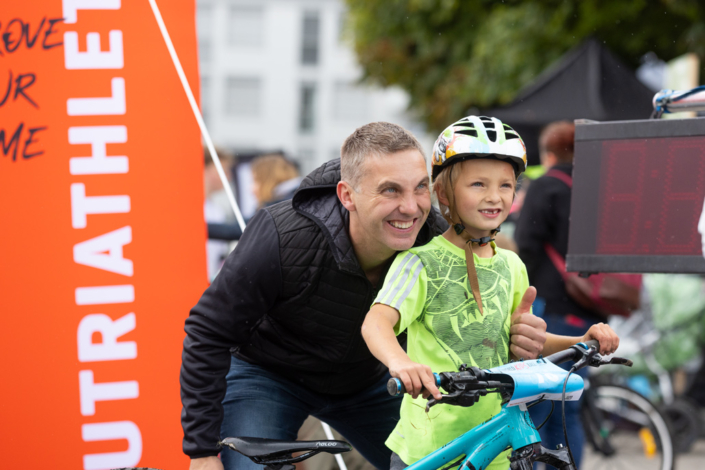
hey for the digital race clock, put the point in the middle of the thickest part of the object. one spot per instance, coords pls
(638, 192)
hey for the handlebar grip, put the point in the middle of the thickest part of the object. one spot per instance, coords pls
(395, 387)
(591, 343)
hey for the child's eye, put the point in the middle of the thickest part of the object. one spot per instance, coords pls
(508, 185)
(477, 183)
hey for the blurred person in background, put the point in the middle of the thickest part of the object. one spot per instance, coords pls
(276, 179)
(216, 250)
(544, 221)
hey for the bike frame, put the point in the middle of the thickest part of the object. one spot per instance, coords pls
(512, 427)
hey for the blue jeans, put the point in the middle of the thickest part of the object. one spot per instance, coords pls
(259, 403)
(552, 432)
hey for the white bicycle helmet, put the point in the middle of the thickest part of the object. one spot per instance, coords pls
(478, 137)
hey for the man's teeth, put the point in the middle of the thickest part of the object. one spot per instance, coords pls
(401, 225)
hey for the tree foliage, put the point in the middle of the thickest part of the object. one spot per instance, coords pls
(451, 55)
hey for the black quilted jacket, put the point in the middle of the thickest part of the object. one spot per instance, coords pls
(291, 298)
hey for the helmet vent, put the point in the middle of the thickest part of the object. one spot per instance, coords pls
(492, 135)
(470, 132)
(510, 135)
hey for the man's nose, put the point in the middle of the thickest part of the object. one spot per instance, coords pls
(408, 204)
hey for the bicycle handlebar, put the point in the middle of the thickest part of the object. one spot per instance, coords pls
(571, 354)
(396, 387)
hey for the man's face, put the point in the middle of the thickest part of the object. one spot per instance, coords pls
(391, 202)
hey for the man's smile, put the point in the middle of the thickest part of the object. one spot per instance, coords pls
(402, 224)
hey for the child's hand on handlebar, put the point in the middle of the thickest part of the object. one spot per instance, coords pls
(605, 335)
(417, 378)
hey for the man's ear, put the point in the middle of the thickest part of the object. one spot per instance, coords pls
(345, 194)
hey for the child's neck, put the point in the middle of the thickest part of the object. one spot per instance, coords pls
(458, 240)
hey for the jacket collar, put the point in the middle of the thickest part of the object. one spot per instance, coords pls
(317, 200)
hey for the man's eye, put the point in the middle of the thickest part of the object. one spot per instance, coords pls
(390, 190)
(422, 186)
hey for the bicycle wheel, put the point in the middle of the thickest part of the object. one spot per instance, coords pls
(684, 418)
(626, 431)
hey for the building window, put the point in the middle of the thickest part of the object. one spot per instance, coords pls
(307, 108)
(243, 96)
(246, 26)
(204, 50)
(204, 25)
(350, 102)
(204, 20)
(205, 97)
(309, 43)
(307, 160)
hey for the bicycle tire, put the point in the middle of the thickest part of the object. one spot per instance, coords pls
(635, 430)
(684, 417)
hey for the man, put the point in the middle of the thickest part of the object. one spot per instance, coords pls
(290, 300)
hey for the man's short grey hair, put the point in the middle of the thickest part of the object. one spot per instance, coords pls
(373, 140)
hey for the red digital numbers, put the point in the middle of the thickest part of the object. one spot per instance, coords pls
(651, 196)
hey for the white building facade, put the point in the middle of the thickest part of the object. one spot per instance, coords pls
(282, 75)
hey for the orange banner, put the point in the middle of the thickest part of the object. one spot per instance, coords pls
(102, 245)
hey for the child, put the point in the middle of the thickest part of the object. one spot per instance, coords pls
(455, 296)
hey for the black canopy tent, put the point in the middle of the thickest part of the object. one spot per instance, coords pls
(588, 82)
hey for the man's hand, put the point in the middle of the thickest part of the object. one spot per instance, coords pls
(605, 335)
(417, 378)
(527, 334)
(207, 463)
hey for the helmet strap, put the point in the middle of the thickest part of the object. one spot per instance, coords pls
(473, 280)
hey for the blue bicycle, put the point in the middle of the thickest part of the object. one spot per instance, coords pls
(519, 383)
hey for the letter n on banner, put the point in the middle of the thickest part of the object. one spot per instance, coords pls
(102, 246)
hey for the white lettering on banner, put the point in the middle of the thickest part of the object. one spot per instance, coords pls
(98, 334)
(82, 205)
(101, 295)
(99, 163)
(92, 392)
(112, 105)
(93, 58)
(71, 7)
(109, 432)
(93, 252)
(109, 349)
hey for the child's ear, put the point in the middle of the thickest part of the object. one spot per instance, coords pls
(441, 195)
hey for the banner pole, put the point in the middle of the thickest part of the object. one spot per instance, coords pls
(197, 114)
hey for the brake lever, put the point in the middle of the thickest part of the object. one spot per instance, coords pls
(458, 397)
(620, 361)
(590, 357)
(466, 394)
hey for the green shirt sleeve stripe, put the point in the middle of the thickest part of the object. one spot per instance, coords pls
(397, 284)
(393, 278)
(410, 284)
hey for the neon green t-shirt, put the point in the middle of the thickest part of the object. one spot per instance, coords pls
(428, 286)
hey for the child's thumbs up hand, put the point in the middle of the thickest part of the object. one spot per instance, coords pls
(527, 334)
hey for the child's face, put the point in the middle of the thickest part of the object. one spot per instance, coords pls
(484, 192)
